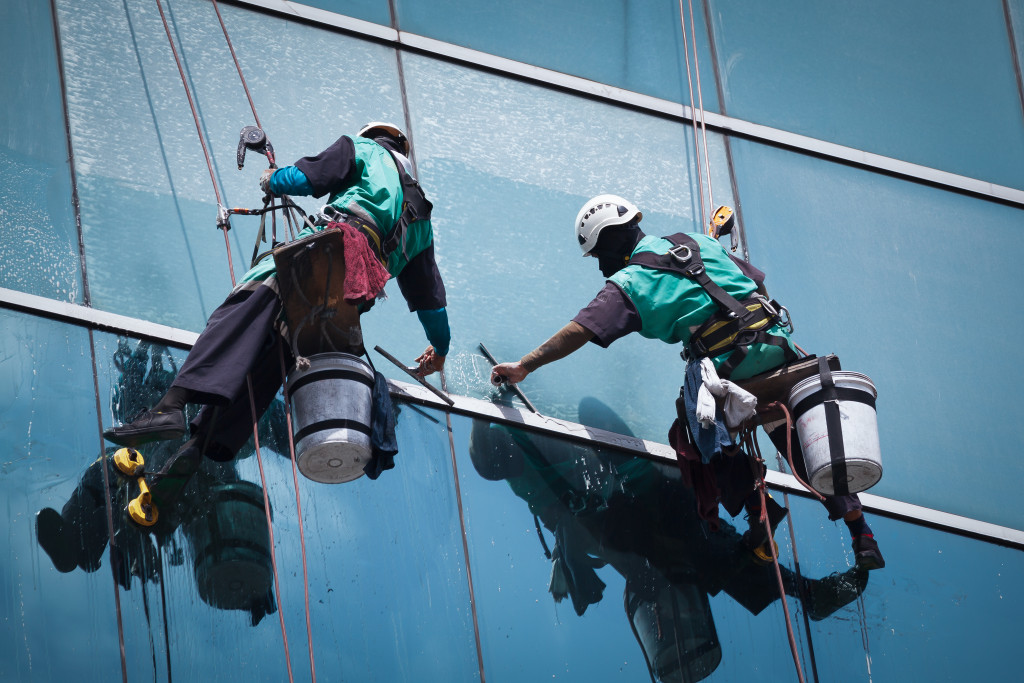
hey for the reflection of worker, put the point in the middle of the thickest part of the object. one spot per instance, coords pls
(77, 535)
(646, 293)
(637, 516)
(373, 196)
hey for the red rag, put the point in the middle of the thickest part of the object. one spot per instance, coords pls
(365, 276)
(697, 476)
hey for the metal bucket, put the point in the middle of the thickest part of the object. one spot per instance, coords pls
(838, 434)
(331, 403)
(675, 630)
(231, 546)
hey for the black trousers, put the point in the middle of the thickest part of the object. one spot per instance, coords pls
(241, 340)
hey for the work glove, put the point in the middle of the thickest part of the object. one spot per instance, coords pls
(265, 180)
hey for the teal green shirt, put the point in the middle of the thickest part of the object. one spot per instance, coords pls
(671, 306)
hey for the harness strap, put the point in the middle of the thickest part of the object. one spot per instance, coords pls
(684, 258)
(415, 206)
(737, 326)
(834, 425)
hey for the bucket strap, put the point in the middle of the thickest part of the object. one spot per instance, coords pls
(834, 425)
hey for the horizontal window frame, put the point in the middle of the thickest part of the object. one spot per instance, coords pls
(91, 318)
(484, 61)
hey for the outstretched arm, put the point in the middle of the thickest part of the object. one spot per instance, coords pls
(570, 338)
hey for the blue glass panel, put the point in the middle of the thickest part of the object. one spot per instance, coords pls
(387, 583)
(506, 191)
(38, 237)
(592, 565)
(613, 523)
(907, 284)
(369, 10)
(56, 626)
(636, 46)
(148, 206)
(902, 79)
(942, 608)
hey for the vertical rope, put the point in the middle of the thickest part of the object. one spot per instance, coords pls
(700, 100)
(693, 117)
(238, 66)
(462, 528)
(110, 512)
(799, 576)
(199, 132)
(298, 506)
(757, 463)
(270, 525)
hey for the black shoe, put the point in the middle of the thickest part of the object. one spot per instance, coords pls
(148, 426)
(825, 596)
(53, 537)
(866, 551)
(174, 475)
(756, 537)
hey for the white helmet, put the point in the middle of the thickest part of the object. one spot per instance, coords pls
(375, 128)
(603, 211)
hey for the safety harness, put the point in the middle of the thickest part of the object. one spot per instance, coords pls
(737, 325)
(415, 207)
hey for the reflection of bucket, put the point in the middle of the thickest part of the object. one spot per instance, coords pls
(231, 544)
(838, 434)
(331, 402)
(675, 629)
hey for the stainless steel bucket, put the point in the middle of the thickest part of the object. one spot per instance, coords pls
(331, 403)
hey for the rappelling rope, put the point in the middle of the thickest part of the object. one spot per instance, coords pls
(286, 202)
(199, 132)
(697, 112)
(700, 104)
(757, 463)
(693, 116)
(270, 522)
(224, 227)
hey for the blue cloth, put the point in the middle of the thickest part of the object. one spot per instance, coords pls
(710, 441)
(383, 439)
(290, 180)
(435, 325)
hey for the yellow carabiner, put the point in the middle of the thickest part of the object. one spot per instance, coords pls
(141, 509)
(129, 461)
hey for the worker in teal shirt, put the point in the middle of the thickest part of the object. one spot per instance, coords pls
(645, 292)
(370, 186)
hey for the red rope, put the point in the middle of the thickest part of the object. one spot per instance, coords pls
(758, 462)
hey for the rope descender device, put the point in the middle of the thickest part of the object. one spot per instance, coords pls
(253, 137)
(723, 220)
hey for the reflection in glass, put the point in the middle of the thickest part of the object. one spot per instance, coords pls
(639, 518)
(221, 516)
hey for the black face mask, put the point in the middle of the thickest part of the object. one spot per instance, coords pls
(614, 247)
(611, 263)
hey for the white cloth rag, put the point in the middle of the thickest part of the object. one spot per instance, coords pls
(738, 405)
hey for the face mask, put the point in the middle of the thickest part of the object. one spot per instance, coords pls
(610, 263)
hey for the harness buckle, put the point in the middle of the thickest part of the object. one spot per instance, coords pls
(676, 253)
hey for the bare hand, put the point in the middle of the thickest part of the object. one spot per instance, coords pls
(429, 362)
(508, 372)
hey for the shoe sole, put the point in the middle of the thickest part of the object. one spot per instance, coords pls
(140, 438)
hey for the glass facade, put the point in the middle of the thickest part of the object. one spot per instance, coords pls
(493, 551)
